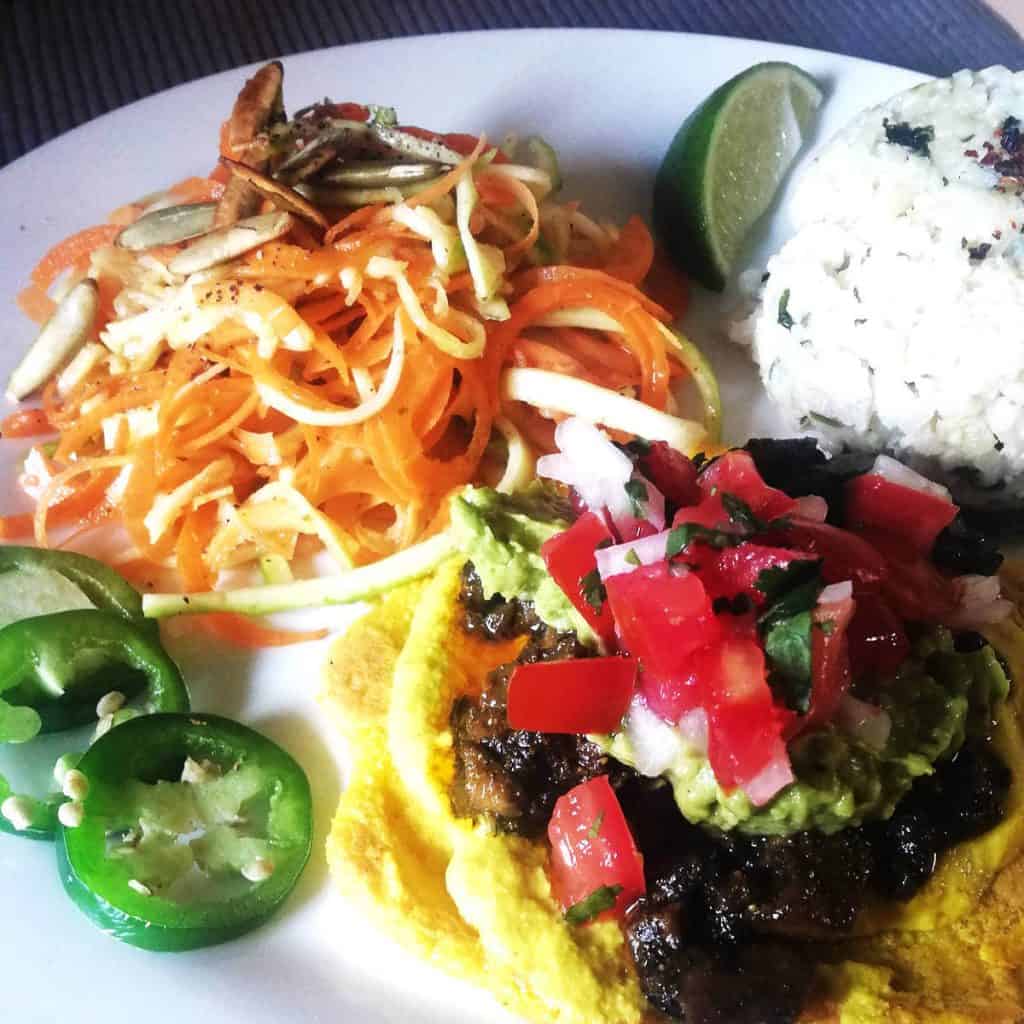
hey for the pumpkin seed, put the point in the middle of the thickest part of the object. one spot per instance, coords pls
(283, 197)
(413, 145)
(226, 243)
(370, 173)
(168, 225)
(61, 337)
(328, 195)
(258, 106)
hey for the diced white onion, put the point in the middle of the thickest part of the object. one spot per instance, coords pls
(693, 727)
(895, 472)
(588, 461)
(865, 722)
(811, 506)
(776, 775)
(615, 561)
(656, 745)
(981, 602)
(836, 593)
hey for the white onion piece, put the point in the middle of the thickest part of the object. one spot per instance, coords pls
(655, 744)
(693, 727)
(981, 602)
(865, 722)
(589, 462)
(836, 593)
(615, 561)
(623, 512)
(775, 775)
(811, 506)
(895, 472)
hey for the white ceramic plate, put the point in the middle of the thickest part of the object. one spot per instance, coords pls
(610, 102)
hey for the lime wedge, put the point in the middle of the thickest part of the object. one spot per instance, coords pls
(725, 164)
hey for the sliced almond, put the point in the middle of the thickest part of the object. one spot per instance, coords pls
(283, 197)
(226, 243)
(168, 225)
(257, 106)
(61, 337)
(372, 173)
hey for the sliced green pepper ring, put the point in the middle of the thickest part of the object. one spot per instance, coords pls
(53, 668)
(195, 830)
(99, 583)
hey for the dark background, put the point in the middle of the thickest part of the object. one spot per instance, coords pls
(66, 61)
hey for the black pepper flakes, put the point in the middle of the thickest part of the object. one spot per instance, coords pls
(978, 252)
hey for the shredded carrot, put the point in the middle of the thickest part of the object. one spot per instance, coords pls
(26, 423)
(36, 304)
(68, 252)
(312, 393)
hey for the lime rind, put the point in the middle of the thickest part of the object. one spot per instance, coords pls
(725, 165)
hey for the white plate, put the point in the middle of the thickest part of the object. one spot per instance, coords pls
(610, 102)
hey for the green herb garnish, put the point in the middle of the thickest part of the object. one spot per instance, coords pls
(916, 139)
(785, 320)
(593, 590)
(595, 830)
(596, 903)
(632, 557)
(636, 491)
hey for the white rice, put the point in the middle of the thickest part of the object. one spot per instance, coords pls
(902, 338)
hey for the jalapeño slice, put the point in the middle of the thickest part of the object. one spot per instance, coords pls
(195, 830)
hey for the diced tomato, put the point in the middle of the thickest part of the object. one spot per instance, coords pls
(878, 642)
(570, 558)
(709, 512)
(671, 696)
(662, 617)
(830, 664)
(592, 847)
(874, 502)
(350, 111)
(844, 555)
(736, 570)
(745, 728)
(735, 473)
(913, 587)
(672, 473)
(579, 695)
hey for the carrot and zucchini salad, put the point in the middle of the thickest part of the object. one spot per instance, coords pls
(315, 345)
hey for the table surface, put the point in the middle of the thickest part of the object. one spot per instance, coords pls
(63, 62)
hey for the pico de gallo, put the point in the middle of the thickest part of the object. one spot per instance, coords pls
(766, 665)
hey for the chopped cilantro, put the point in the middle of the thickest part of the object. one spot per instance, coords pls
(786, 632)
(828, 627)
(785, 320)
(777, 579)
(637, 448)
(632, 557)
(383, 116)
(680, 537)
(596, 903)
(739, 512)
(828, 421)
(738, 605)
(787, 646)
(636, 491)
(595, 829)
(593, 590)
(916, 139)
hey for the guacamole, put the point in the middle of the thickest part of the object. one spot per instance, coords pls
(501, 534)
(938, 697)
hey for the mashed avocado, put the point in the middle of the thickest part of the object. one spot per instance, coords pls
(501, 534)
(936, 699)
